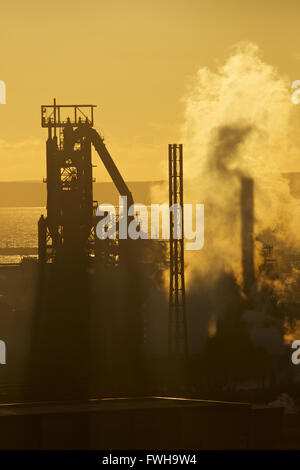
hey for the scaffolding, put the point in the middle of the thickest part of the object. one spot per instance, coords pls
(178, 343)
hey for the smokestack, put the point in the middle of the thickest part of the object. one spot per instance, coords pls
(247, 226)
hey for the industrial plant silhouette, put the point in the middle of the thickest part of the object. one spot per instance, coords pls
(88, 333)
(88, 329)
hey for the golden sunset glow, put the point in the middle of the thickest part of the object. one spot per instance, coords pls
(133, 59)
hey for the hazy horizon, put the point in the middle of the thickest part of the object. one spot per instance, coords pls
(138, 61)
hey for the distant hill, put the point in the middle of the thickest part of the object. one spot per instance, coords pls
(33, 194)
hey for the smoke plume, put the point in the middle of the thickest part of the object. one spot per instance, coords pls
(239, 121)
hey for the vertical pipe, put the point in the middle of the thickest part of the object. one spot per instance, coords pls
(170, 332)
(247, 228)
(54, 110)
(175, 198)
(42, 240)
(182, 252)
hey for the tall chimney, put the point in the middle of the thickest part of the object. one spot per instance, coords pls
(247, 226)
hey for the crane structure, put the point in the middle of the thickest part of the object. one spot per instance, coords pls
(70, 226)
(178, 343)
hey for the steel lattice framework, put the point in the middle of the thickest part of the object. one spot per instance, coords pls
(178, 343)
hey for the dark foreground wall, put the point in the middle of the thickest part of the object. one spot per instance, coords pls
(149, 423)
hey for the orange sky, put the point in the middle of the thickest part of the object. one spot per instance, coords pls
(133, 59)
